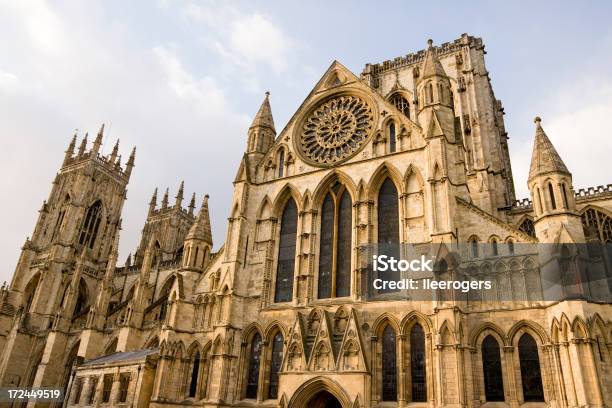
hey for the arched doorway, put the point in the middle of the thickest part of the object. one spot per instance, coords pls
(320, 392)
(323, 399)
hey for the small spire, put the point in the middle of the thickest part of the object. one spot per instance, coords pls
(165, 199)
(98, 142)
(118, 162)
(200, 229)
(544, 158)
(431, 64)
(264, 118)
(115, 151)
(153, 202)
(83, 145)
(192, 204)
(179, 195)
(130, 163)
(128, 261)
(70, 149)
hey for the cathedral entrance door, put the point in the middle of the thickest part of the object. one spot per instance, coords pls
(323, 399)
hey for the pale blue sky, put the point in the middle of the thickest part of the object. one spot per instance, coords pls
(182, 79)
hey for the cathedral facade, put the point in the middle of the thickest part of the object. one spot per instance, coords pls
(412, 151)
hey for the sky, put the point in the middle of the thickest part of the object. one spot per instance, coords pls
(181, 80)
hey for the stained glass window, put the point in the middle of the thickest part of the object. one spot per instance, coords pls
(597, 225)
(286, 254)
(335, 244)
(531, 376)
(254, 363)
(388, 225)
(389, 365)
(492, 370)
(527, 227)
(401, 104)
(417, 364)
(275, 364)
(326, 252)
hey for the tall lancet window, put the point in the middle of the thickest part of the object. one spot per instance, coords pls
(335, 244)
(254, 363)
(417, 364)
(286, 253)
(531, 376)
(281, 163)
(492, 370)
(551, 192)
(89, 230)
(392, 138)
(195, 371)
(275, 365)
(389, 365)
(388, 225)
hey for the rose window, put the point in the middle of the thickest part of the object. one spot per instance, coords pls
(336, 130)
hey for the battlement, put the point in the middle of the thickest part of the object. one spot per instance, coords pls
(583, 194)
(418, 57)
(110, 162)
(593, 192)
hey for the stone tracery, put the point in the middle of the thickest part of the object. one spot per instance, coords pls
(336, 130)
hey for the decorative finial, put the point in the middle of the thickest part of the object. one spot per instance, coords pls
(267, 93)
(537, 120)
(430, 43)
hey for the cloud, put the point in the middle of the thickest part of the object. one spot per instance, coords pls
(576, 123)
(76, 66)
(246, 40)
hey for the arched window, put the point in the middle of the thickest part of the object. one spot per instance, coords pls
(401, 104)
(492, 370)
(281, 163)
(286, 254)
(539, 202)
(89, 230)
(392, 138)
(388, 224)
(275, 364)
(527, 227)
(511, 247)
(335, 244)
(565, 200)
(417, 364)
(389, 365)
(474, 247)
(195, 371)
(254, 363)
(429, 93)
(494, 248)
(531, 376)
(597, 225)
(551, 193)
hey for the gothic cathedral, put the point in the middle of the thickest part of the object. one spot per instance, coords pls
(412, 151)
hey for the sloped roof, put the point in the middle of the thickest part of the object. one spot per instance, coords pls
(263, 118)
(544, 158)
(122, 357)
